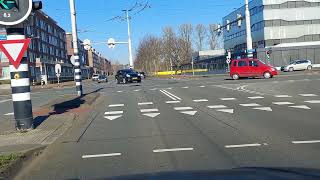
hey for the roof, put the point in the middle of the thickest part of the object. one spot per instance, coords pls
(298, 44)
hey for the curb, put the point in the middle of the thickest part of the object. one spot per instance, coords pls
(26, 156)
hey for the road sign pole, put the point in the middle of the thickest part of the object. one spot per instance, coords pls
(77, 67)
(20, 85)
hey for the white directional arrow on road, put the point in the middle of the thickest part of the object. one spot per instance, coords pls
(192, 113)
(263, 108)
(300, 107)
(230, 111)
(111, 118)
(152, 115)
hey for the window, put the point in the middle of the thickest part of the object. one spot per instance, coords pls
(253, 63)
(242, 63)
(235, 63)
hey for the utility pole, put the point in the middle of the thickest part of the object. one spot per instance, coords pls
(248, 27)
(129, 39)
(77, 67)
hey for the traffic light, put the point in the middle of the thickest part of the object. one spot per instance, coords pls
(239, 19)
(13, 12)
(228, 25)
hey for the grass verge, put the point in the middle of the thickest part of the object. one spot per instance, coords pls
(5, 160)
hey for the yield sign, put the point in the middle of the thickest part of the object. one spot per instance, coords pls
(14, 50)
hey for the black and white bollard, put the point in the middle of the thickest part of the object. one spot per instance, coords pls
(77, 73)
(20, 85)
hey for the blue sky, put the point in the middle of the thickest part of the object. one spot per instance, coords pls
(93, 16)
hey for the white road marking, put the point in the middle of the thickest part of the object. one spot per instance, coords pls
(172, 150)
(291, 81)
(149, 110)
(192, 113)
(111, 118)
(200, 100)
(242, 145)
(145, 103)
(230, 111)
(152, 115)
(217, 106)
(282, 103)
(113, 112)
(250, 105)
(185, 87)
(313, 102)
(101, 155)
(228, 99)
(263, 108)
(116, 105)
(172, 102)
(119, 91)
(283, 96)
(137, 90)
(306, 142)
(300, 107)
(9, 114)
(308, 95)
(169, 88)
(202, 86)
(172, 95)
(182, 108)
(6, 100)
(256, 97)
(154, 89)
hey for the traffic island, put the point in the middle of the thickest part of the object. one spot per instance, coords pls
(51, 122)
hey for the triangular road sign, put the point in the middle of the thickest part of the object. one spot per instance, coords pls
(152, 115)
(14, 50)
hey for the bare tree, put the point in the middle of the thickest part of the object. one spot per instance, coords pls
(213, 36)
(169, 47)
(200, 34)
(185, 33)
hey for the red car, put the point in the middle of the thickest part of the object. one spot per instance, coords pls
(251, 68)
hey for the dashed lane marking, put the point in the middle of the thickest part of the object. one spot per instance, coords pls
(137, 90)
(9, 114)
(145, 103)
(101, 155)
(119, 91)
(308, 95)
(154, 89)
(111, 118)
(217, 106)
(256, 97)
(282, 103)
(116, 105)
(227, 99)
(202, 86)
(242, 145)
(172, 150)
(313, 102)
(192, 113)
(113, 112)
(172, 102)
(283, 96)
(306, 142)
(149, 110)
(152, 115)
(200, 100)
(250, 105)
(185, 87)
(230, 111)
(300, 107)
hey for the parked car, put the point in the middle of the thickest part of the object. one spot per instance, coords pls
(102, 78)
(127, 76)
(297, 65)
(95, 77)
(251, 68)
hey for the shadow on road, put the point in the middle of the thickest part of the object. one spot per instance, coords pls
(64, 107)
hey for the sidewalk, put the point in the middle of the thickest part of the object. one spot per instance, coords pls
(51, 121)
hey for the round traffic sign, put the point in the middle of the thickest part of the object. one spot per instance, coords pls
(228, 61)
(111, 41)
(87, 42)
(87, 47)
(58, 68)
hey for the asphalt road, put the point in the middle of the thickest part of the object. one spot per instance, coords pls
(190, 124)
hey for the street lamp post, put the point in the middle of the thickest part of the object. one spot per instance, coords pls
(248, 27)
(129, 40)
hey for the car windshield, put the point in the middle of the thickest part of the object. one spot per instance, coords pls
(105, 89)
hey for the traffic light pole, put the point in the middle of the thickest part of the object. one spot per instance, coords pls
(77, 68)
(129, 40)
(20, 85)
(248, 27)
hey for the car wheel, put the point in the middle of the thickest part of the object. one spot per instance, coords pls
(267, 75)
(291, 69)
(235, 76)
(309, 68)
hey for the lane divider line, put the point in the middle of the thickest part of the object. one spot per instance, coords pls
(116, 105)
(306, 142)
(145, 103)
(250, 105)
(227, 99)
(149, 110)
(101, 155)
(113, 112)
(217, 107)
(172, 150)
(200, 100)
(242, 145)
(182, 108)
(282, 103)
(172, 102)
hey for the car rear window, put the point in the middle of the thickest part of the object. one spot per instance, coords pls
(242, 63)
